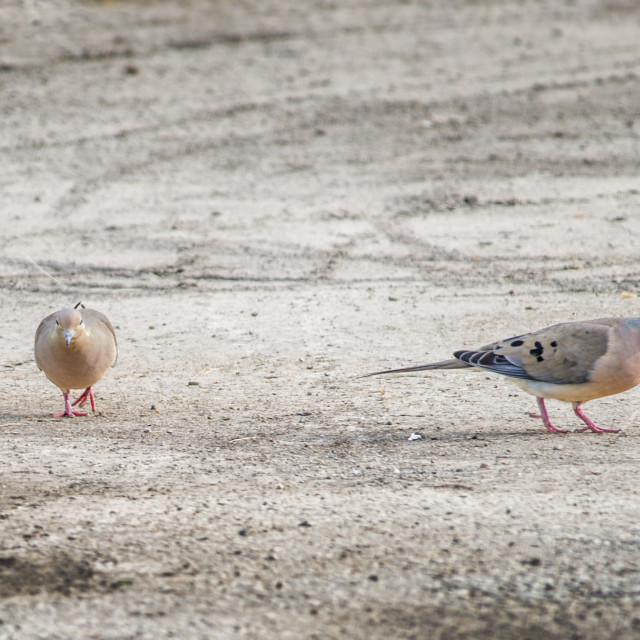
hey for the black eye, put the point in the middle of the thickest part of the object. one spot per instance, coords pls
(81, 321)
(57, 322)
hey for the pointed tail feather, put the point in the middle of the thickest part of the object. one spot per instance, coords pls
(454, 363)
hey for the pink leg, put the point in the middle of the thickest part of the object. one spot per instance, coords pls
(68, 412)
(545, 418)
(590, 423)
(87, 394)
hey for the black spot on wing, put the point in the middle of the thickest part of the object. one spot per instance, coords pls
(539, 349)
(516, 343)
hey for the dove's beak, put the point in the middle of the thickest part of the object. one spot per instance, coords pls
(67, 336)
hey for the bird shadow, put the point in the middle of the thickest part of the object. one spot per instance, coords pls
(452, 436)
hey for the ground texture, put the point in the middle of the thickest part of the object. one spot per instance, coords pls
(270, 198)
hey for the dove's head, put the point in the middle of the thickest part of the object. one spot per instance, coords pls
(69, 325)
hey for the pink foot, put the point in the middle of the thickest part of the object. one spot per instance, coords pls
(590, 423)
(68, 412)
(87, 394)
(545, 418)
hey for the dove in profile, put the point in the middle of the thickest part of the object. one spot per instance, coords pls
(572, 361)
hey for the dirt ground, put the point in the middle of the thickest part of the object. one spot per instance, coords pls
(270, 198)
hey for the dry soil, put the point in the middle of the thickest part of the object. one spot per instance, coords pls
(270, 198)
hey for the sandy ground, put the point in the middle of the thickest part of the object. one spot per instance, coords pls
(269, 198)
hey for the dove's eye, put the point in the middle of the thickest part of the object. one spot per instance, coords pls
(81, 321)
(57, 322)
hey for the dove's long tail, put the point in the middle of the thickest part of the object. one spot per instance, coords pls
(454, 363)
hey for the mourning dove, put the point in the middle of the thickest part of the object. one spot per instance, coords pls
(571, 361)
(74, 348)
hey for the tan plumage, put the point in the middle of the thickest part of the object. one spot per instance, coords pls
(74, 348)
(571, 361)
